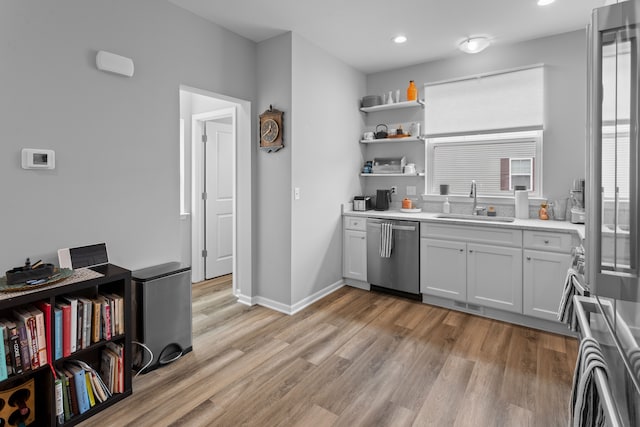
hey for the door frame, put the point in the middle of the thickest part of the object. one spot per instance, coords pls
(242, 194)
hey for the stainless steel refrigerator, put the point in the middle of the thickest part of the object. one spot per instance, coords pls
(612, 200)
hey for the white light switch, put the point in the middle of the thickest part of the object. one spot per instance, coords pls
(411, 190)
(296, 193)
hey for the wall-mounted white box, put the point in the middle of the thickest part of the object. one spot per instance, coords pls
(38, 158)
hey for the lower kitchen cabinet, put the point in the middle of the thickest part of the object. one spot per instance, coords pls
(546, 259)
(354, 262)
(494, 276)
(456, 263)
(443, 268)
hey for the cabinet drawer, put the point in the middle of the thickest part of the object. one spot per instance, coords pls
(487, 235)
(355, 223)
(548, 241)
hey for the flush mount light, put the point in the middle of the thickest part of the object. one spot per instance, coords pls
(474, 44)
(400, 39)
(545, 2)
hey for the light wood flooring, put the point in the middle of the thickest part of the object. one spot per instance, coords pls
(354, 358)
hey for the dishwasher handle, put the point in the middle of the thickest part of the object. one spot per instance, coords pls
(403, 227)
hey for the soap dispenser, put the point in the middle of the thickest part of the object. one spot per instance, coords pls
(446, 207)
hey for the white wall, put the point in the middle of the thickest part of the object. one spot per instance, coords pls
(116, 138)
(326, 158)
(565, 61)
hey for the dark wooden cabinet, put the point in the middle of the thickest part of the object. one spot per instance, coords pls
(114, 280)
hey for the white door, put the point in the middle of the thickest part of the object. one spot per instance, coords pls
(218, 205)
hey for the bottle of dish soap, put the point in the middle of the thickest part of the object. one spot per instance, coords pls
(446, 207)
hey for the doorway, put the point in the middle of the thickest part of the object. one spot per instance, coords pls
(220, 198)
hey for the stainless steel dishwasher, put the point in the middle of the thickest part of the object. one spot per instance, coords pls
(399, 271)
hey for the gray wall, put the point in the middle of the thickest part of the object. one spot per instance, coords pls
(326, 128)
(273, 191)
(116, 138)
(565, 61)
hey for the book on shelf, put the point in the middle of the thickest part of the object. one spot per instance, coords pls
(7, 350)
(59, 401)
(87, 379)
(117, 313)
(79, 324)
(73, 396)
(87, 320)
(66, 394)
(73, 327)
(98, 387)
(42, 326)
(96, 315)
(3, 364)
(29, 321)
(66, 327)
(79, 381)
(57, 320)
(14, 346)
(25, 355)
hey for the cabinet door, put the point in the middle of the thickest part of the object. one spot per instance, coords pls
(354, 261)
(494, 276)
(544, 274)
(443, 268)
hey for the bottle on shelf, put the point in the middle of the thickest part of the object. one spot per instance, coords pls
(446, 206)
(412, 91)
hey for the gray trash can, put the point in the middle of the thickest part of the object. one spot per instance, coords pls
(161, 314)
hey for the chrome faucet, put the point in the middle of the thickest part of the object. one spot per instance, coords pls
(476, 210)
(474, 194)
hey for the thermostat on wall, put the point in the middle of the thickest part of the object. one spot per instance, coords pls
(36, 158)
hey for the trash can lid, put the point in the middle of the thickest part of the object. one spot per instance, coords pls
(158, 271)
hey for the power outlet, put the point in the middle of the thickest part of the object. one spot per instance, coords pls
(394, 189)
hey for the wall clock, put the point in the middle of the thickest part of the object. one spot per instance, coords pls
(271, 129)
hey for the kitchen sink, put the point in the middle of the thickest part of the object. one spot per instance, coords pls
(477, 217)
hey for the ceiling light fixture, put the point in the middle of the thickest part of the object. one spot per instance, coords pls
(474, 44)
(545, 2)
(400, 39)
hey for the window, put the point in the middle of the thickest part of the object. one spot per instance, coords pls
(497, 162)
(519, 171)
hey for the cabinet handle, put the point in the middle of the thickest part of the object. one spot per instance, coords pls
(362, 238)
(528, 258)
(546, 242)
(461, 250)
(470, 251)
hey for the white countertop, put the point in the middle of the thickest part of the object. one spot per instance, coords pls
(522, 224)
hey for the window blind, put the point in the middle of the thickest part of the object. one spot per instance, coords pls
(478, 104)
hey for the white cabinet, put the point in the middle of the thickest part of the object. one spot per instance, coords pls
(546, 259)
(443, 268)
(354, 251)
(457, 263)
(494, 276)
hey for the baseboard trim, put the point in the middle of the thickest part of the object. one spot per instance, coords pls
(246, 300)
(306, 302)
(290, 309)
(273, 305)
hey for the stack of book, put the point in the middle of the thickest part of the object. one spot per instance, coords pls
(78, 388)
(23, 346)
(84, 321)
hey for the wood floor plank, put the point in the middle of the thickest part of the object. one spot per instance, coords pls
(354, 358)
